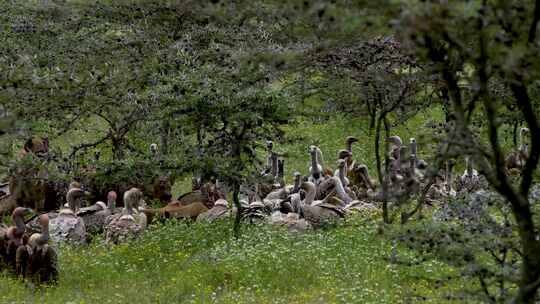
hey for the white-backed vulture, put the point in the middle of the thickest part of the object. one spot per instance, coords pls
(128, 225)
(11, 238)
(67, 226)
(37, 261)
(95, 216)
(341, 172)
(515, 161)
(471, 181)
(317, 213)
(315, 170)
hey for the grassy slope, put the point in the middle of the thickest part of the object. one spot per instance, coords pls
(202, 263)
(197, 263)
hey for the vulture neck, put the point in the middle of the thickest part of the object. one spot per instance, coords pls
(311, 192)
(19, 224)
(343, 174)
(470, 170)
(314, 163)
(111, 204)
(72, 198)
(365, 177)
(448, 174)
(274, 161)
(340, 191)
(523, 146)
(413, 163)
(348, 146)
(296, 202)
(296, 187)
(320, 159)
(413, 147)
(44, 236)
(129, 206)
(281, 173)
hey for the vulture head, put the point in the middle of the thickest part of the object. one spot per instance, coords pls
(133, 198)
(111, 200)
(153, 148)
(344, 154)
(38, 240)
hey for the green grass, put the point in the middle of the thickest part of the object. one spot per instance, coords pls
(202, 263)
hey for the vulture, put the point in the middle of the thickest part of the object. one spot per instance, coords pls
(361, 181)
(291, 220)
(280, 179)
(95, 216)
(128, 225)
(395, 145)
(419, 165)
(449, 180)
(4, 189)
(11, 238)
(283, 192)
(316, 168)
(515, 161)
(270, 158)
(37, 261)
(255, 213)
(67, 226)
(154, 149)
(334, 185)
(349, 141)
(341, 172)
(470, 181)
(317, 213)
(219, 211)
(348, 147)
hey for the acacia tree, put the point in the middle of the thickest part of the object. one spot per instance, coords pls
(471, 45)
(389, 85)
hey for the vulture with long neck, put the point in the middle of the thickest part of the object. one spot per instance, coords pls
(317, 213)
(37, 261)
(129, 225)
(11, 238)
(341, 172)
(315, 170)
(349, 141)
(515, 161)
(449, 180)
(470, 181)
(270, 157)
(284, 191)
(67, 226)
(395, 144)
(95, 216)
(333, 185)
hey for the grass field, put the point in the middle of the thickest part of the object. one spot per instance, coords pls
(202, 263)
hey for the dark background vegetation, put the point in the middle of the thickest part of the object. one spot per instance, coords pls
(210, 81)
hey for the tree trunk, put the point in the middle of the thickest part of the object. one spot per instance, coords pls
(117, 148)
(515, 133)
(164, 133)
(238, 217)
(382, 178)
(530, 246)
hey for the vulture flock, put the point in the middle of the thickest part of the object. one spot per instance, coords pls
(323, 197)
